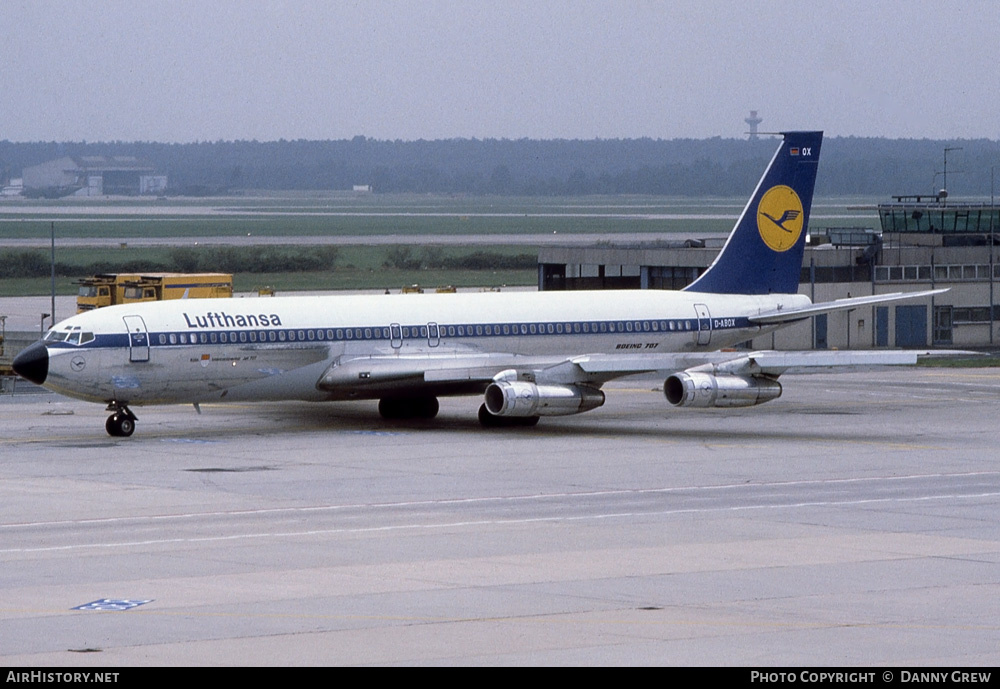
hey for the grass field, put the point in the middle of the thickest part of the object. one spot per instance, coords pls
(123, 229)
(960, 362)
(360, 266)
(347, 279)
(356, 267)
(345, 215)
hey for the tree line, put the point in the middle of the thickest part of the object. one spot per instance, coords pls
(527, 167)
(30, 263)
(27, 263)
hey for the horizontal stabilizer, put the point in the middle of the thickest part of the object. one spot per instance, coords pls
(797, 314)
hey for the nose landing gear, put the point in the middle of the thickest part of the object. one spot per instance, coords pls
(121, 423)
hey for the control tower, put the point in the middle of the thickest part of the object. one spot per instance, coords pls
(753, 121)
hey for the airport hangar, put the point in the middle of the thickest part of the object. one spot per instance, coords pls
(92, 176)
(925, 242)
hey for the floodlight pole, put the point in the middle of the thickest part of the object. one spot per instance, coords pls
(946, 150)
(53, 233)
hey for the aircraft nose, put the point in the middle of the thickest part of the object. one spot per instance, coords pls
(33, 363)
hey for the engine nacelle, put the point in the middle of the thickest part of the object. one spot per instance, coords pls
(695, 389)
(521, 398)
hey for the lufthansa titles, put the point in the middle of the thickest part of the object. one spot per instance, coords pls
(225, 320)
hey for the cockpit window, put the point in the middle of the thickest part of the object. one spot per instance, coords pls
(72, 335)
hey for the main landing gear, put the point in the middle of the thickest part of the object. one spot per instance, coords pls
(121, 423)
(398, 408)
(488, 420)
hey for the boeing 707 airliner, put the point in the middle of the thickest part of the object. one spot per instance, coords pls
(528, 354)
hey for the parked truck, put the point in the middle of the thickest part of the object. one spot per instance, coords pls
(106, 289)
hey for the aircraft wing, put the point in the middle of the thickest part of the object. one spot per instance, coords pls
(476, 371)
(797, 314)
(419, 370)
(765, 362)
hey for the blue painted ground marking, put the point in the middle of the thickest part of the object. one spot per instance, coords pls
(192, 441)
(118, 604)
(375, 433)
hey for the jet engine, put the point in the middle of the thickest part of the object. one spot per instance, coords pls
(696, 389)
(522, 398)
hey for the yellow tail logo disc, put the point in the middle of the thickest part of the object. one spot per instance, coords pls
(780, 218)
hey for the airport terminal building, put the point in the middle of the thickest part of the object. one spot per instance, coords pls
(925, 242)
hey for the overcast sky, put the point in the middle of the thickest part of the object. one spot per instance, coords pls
(179, 71)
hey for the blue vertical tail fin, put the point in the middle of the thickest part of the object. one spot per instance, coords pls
(763, 254)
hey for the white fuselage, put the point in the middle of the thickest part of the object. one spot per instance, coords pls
(318, 348)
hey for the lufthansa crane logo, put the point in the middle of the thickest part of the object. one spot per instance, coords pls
(779, 218)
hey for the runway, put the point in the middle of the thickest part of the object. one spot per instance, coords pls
(853, 521)
(530, 240)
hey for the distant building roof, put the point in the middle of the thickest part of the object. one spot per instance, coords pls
(112, 163)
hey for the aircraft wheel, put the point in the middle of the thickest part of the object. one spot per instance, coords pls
(120, 425)
(390, 408)
(488, 420)
(126, 426)
(426, 407)
(393, 408)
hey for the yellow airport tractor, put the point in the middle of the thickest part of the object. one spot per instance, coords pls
(106, 289)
